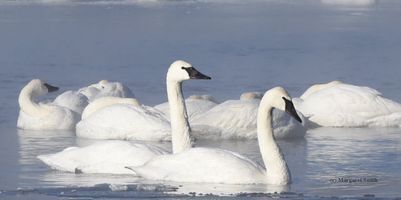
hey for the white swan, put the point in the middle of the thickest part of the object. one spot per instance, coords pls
(79, 99)
(43, 116)
(236, 119)
(338, 104)
(222, 166)
(195, 104)
(105, 88)
(113, 156)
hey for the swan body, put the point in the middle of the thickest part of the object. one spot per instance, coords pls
(102, 157)
(72, 100)
(222, 166)
(236, 119)
(35, 115)
(195, 104)
(125, 122)
(339, 104)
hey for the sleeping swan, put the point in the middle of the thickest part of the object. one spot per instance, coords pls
(339, 104)
(195, 104)
(113, 156)
(236, 119)
(79, 99)
(43, 116)
(221, 166)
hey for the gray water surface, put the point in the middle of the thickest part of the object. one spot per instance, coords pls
(249, 46)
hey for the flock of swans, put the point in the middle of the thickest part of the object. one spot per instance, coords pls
(109, 110)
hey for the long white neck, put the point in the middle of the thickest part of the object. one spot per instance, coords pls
(28, 105)
(180, 130)
(276, 168)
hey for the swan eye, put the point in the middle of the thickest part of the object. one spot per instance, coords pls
(182, 67)
(102, 87)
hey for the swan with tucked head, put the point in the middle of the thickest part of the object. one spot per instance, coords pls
(222, 166)
(123, 121)
(339, 104)
(195, 105)
(236, 119)
(43, 116)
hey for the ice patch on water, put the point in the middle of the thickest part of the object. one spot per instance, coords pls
(120, 2)
(118, 187)
(349, 2)
(103, 192)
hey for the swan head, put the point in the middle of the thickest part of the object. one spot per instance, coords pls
(279, 98)
(180, 71)
(39, 87)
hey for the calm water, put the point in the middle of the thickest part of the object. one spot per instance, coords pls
(244, 47)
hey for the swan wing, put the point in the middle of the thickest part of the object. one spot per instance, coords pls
(102, 157)
(72, 100)
(202, 165)
(121, 121)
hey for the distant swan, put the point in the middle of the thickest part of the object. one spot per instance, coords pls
(43, 116)
(339, 104)
(79, 99)
(236, 119)
(221, 166)
(113, 156)
(195, 104)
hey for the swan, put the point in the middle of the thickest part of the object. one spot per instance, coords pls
(221, 166)
(113, 156)
(195, 104)
(106, 88)
(338, 104)
(236, 119)
(35, 115)
(79, 99)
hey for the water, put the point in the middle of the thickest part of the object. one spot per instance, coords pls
(243, 46)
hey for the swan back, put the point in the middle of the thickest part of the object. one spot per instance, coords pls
(206, 97)
(250, 96)
(319, 87)
(103, 102)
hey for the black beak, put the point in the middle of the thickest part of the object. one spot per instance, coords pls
(289, 108)
(195, 74)
(51, 88)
